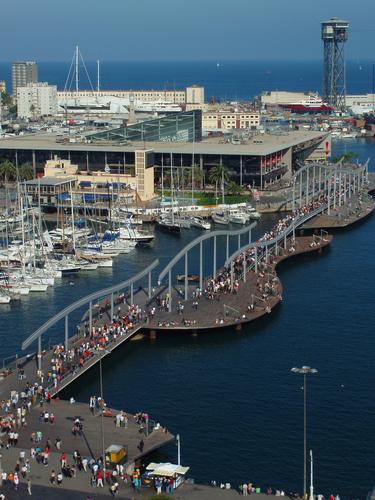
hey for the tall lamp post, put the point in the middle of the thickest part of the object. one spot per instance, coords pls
(305, 370)
(101, 352)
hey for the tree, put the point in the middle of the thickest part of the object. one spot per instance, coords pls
(26, 172)
(219, 173)
(234, 188)
(7, 171)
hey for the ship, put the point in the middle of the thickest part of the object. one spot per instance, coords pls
(312, 104)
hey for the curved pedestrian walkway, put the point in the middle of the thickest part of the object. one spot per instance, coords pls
(253, 299)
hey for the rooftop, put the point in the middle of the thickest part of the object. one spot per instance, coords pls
(50, 181)
(260, 145)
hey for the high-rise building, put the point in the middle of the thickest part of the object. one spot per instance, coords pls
(334, 36)
(23, 73)
(3, 87)
(36, 100)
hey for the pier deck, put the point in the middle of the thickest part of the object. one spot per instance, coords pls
(210, 312)
(343, 216)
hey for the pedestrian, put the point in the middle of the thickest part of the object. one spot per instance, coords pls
(99, 479)
(16, 481)
(59, 479)
(52, 477)
(29, 486)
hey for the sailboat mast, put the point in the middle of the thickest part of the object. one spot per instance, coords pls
(77, 70)
(73, 229)
(98, 76)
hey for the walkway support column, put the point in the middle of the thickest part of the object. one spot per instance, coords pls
(244, 267)
(313, 188)
(170, 290)
(294, 195)
(149, 285)
(90, 316)
(39, 353)
(239, 242)
(201, 265)
(66, 332)
(256, 258)
(334, 188)
(214, 261)
(340, 188)
(186, 275)
(307, 186)
(300, 189)
(227, 254)
(320, 179)
(112, 306)
(249, 236)
(131, 294)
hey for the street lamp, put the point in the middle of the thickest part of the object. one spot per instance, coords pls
(178, 442)
(311, 476)
(305, 370)
(101, 351)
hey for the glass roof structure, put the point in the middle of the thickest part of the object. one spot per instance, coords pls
(176, 127)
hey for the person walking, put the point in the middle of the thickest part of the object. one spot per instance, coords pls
(29, 486)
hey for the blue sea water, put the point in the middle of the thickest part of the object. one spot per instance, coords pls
(231, 395)
(223, 79)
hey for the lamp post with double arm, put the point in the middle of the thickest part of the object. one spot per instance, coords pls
(304, 370)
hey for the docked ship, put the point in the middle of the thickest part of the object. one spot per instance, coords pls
(312, 104)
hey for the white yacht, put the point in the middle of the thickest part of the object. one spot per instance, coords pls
(220, 218)
(237, 217)
(132, 234)
(200, 223)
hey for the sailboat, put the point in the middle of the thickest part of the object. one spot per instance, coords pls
(167, 222)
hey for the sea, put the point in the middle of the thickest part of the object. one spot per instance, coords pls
(231, 395)
(227, 80)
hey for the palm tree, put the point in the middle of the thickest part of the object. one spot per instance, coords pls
(219, 173)
(7, 170)
(26, 172)
(234, 189)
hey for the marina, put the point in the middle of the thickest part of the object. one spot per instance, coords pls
(260, 277)
(184, 229)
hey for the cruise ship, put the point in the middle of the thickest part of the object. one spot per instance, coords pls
(312, 104)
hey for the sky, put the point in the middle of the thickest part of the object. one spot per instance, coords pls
(152, 30)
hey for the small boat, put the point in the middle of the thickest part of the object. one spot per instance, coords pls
(200, 223)
(185, 222)
(190, 277)
(132, 234)
(220, 218)
(166, 224)
(4, 299)
(237, 217)
(252, 212)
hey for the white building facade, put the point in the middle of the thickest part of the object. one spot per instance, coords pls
(36, 100)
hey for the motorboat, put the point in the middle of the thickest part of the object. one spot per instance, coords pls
(4, 298)
(220, 218)
(252, 212)
(237, 217)
(200, 223)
